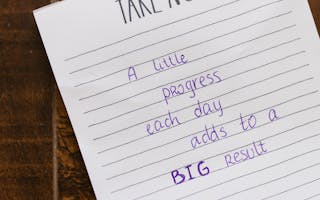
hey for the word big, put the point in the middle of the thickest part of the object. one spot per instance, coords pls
(180, 177)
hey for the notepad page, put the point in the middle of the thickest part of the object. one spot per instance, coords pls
(190, 99)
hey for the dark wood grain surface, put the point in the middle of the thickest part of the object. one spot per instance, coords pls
(73, 181)
(39, 155)
(26, 94)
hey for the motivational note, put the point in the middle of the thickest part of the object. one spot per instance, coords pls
(188, 99)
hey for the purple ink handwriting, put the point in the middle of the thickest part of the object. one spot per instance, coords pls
(191, 85)
(273, 116)
(132, 74)
(158, 125)
(244, 154)
(250, 121)
(204, 108)
(213, 134)
(169, 61)
(182, 175)
(210, 135)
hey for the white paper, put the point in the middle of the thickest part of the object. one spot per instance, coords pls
(252, 59)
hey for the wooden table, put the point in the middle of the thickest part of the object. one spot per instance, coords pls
(39, 155)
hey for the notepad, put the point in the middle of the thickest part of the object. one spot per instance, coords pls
(187, 99)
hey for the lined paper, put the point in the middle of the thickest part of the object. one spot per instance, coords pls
(190, 99)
